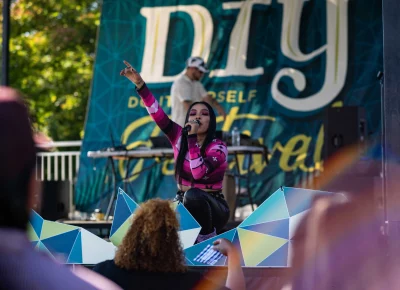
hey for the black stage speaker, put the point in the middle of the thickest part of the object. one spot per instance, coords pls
(344, 126)
(55, 200)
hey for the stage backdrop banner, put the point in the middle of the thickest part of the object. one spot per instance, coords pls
(275, 66)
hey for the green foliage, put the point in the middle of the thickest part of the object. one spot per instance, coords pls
(52, 50)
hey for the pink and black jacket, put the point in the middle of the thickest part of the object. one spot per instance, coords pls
(204, 172)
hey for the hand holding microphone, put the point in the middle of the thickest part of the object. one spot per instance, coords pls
(191, 127)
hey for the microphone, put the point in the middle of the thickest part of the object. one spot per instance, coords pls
(187, 128)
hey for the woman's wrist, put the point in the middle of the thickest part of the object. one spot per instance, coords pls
(139, 85)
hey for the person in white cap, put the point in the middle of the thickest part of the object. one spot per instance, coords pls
(188, 89)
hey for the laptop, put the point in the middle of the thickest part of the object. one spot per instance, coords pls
(160, 142)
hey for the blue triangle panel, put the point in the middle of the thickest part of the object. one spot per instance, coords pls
(75, 257)
(192, 252)
(36, 222)
(42, 247)
(34, 243)
(188, 262)
(130, 202)
(299, 200)
(236, 243)
(121, 213)
(274, 208)
(186, 220)
(61, 244)
(278, 229)
(277, 258)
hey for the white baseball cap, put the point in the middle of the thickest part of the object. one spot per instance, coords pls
(198, 63)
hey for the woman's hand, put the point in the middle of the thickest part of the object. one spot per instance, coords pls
(194, 126)
(224, 246)
(130, 73)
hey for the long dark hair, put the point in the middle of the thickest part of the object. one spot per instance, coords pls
(184, 144)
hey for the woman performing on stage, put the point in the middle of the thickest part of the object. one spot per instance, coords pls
(200, 158)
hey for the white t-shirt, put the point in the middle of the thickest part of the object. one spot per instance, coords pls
(184, 89)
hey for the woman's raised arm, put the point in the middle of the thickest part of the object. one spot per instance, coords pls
(170, 128)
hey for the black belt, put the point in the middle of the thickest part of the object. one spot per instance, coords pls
(216, 194)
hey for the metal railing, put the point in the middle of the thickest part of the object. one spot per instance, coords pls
(56, 165)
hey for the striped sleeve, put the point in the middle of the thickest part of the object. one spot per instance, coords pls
(170, 128)
(216, 155)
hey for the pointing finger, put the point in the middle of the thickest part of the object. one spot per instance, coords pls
(127, 64)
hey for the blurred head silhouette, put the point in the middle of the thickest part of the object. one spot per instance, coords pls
(338, 245)
(17, 161)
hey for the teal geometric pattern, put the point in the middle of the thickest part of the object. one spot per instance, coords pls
(125, 208)
(62, 245)
(274, 208)
(68, 244)
(186, 220)
(264, 239)
(37, 223)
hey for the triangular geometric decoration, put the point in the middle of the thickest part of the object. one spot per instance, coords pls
(294, 222)
(129, 201)
(125, 208)
(274, 208)
(236, 243)
(119, 235)
(290, 253)
(32, 236)
(188, 262)
(70, 244)
(75, 256)
(61, 244)
(299, 200)
(279, 228)
(51, 229)
(188, 237)
(95, 249)
(278, 258)
(192, 252)
(121, 213)
(43, 249)
(257, 247)
(186, 220)
(37, 222)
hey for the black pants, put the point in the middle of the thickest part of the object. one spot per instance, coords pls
(210, 210)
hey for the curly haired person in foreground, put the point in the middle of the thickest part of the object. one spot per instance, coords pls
(151, 255)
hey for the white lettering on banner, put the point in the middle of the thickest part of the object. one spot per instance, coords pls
(157, 25)
(292, 11)
(336, 58)
(238, 42)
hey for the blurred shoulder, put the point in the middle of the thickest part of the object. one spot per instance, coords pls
(105, 266)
